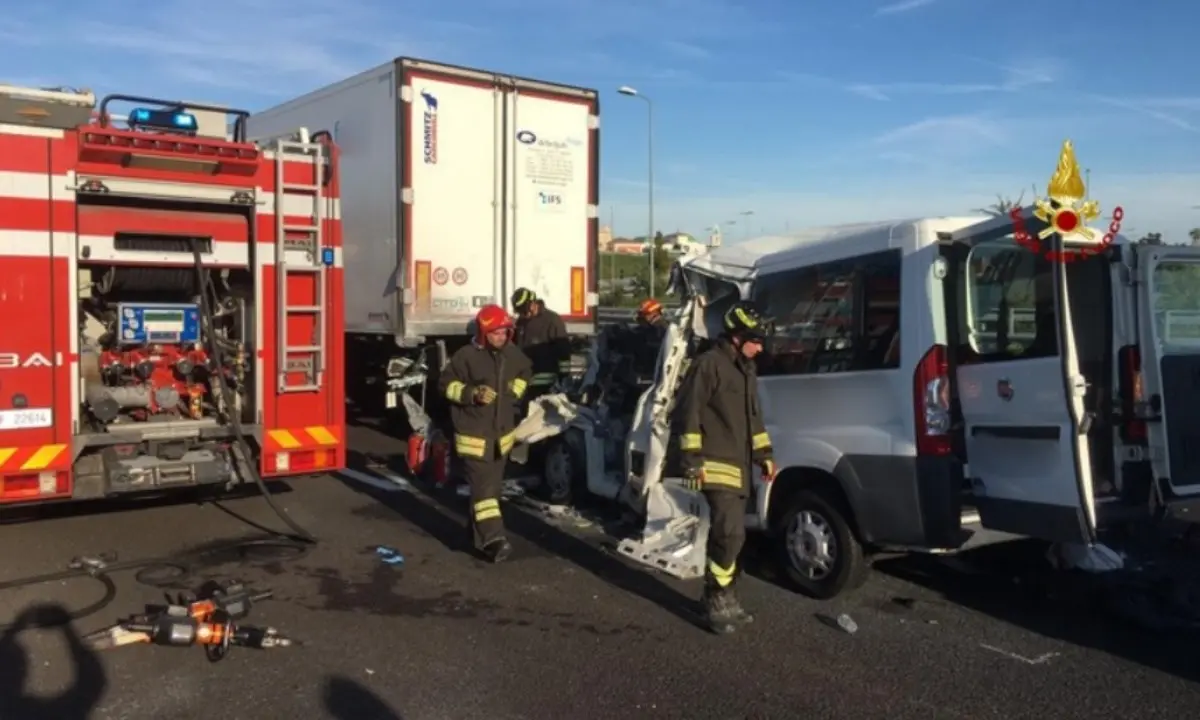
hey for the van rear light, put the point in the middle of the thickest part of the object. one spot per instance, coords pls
(1129, 361)
(931, 403)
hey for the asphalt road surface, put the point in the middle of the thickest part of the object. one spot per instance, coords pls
(562, 631)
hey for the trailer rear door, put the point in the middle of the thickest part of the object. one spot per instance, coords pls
(552, 196)
(451, 191)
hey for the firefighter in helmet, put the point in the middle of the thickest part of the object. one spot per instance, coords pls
(484, 382)
(542, 335)
(722, 439)
(647, 336)
(650, 314)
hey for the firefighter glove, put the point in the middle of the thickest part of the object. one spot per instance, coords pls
(768, 470)
(484, 395)
(693, 479)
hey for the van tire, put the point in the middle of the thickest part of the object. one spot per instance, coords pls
(563, 469)
(849, 568)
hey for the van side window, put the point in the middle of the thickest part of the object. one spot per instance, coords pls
(1008, 301)
(842, 316)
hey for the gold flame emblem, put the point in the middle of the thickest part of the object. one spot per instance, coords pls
(1065, 211)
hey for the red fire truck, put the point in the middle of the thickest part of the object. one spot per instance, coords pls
(170, 299)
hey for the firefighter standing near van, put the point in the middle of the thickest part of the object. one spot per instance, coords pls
(542, 336)
(721, 439)
(484, 383)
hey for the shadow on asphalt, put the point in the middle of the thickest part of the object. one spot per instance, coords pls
(1013, 582)
(103, 506)
(77, 701)
(345, 699)
(441, 514)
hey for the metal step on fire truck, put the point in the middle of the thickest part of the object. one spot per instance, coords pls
(170, 299)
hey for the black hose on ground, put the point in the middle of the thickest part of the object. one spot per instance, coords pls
(167, 572)
(203, 285)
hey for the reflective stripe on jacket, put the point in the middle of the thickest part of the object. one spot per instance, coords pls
(719, 420)
(484, 431)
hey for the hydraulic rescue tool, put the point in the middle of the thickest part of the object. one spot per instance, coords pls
(207, 619)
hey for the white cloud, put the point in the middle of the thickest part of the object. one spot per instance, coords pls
(1152, 203)
(885, 91)
(1175, 103)
(1013, 78)
(261, 47)
(943, 137)
(1151, 110)
(16, 32)
(903, 7)
(687, 50)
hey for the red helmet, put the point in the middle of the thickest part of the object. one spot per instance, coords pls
(491, 318)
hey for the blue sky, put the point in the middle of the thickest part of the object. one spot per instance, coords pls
(805, 113)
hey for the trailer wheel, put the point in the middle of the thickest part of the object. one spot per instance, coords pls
(817, 548)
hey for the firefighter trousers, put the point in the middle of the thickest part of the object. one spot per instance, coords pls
(726, 537)
(486, 480)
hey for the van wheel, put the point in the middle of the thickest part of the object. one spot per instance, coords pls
(563, 472)
(817, 548)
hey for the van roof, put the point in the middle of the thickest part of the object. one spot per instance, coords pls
(821, 244)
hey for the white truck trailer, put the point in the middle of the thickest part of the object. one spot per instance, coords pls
(458, 187)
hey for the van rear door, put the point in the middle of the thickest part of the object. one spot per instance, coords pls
(1016, 384)
(1168, 319)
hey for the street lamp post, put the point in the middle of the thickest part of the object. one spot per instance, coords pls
(632, 92)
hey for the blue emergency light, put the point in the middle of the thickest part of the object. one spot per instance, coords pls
(162, 120)
(327, 256)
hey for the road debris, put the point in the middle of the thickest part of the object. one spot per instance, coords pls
(94, 564)
(1039, 660)
(845, 622)
(389, 556)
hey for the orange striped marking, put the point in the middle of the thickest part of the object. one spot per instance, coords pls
(33, 458)
(307, 438)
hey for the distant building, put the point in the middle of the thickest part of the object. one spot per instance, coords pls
(606, 239)
(624, 246)
(683, 244)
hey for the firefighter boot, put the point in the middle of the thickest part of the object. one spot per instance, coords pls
(736, 611)
(718, 614)
(498, 550)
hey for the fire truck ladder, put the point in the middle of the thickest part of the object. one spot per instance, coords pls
(309, 358)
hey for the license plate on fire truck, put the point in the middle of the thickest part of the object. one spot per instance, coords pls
(26, 419)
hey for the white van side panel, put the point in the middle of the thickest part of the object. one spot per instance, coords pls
(859, 425)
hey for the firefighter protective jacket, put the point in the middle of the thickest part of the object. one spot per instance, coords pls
(543, 337)
(719, 419)
(484, 431)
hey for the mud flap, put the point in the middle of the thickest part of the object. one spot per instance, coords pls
(674, 537)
